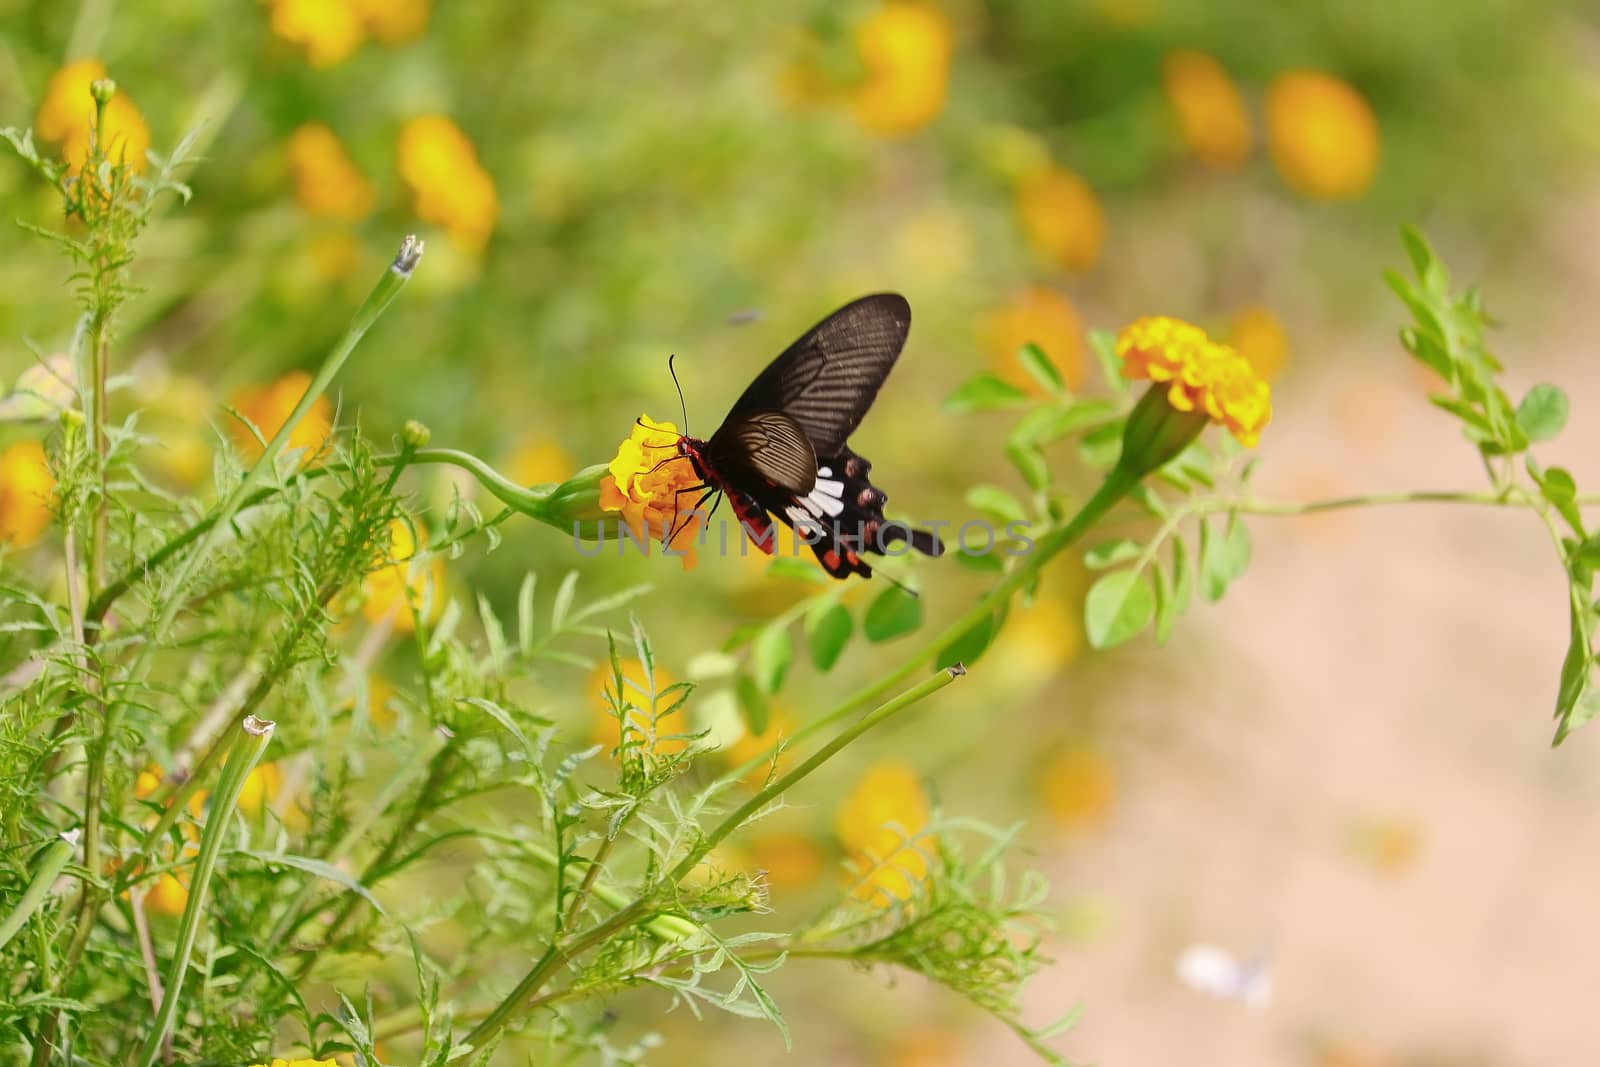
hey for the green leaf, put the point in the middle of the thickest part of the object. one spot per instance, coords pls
(1222, 559)
(996, 503)
(1049, 424)
(752, 705)
(1166, 605)
(1030, 463)
(1542, 413)
(966, 648)
(1586, 709)
(1182, 576)
(1103, 343)
(1100, 448)
(1119, 605)
(771, 656)
(799, 568)
(828, 630)
(1110, 553)
(1557, 487)
(1038, 365)
(984, 393)
(982, 562)
(893, 613)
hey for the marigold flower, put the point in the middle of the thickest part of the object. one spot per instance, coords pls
(643, 486)
(328, 31)
(790, 861)
(26, 488)
(881, 824)
(539, 461)
(448, 184)
(1061, 218)
(649, 721)
(66, 117)
(269, 407)
(264, 786)
(1079, 787)
(1044, 317)
(1210, 112)
(780, 724)
(393, 21)
(1199, 374)
(392, 590)
(326, 180)
(1259, 337)
(168, 896)
(1323, 134)
(906, 49)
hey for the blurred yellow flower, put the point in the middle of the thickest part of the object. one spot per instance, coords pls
(1044, 317)
(539, 461)
(1061, 218)
(269, 407)
(881, 824)
(1258, 336)
(1079, 787)
(645, 477)
(906, 48)
(1041, 638)
(378, 695)
(394, 588)
(66, 117)
(926, 1047)
(1323, 134)
(326, 180)
(1387, 845)
(449, 186)
(649, 721)
(26, 488)
(1201, 375)
(262, 789)
(168, 896)
(393, 21)
(791, 861)
(335, 255)
(780, 725)
(328, 31)
(1206, 103)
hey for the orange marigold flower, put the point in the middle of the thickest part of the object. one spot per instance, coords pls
(1044, 317)
(906, 49)
(326, 180)
(168, 895)
(790, 861)
(643, 484)
(1079, 787)
(881, 824)
(66, 118)
(1200, 374)
(270, 406)
(448, 184)
(328, 31)
(1061, 218)
(1324, 135)
(393, 21)
(393, 589)
(650, 722)
(1260, 338)
(26, 488)
(1210, 112)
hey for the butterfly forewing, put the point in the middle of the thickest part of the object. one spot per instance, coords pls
(828, 379)
(768, 444)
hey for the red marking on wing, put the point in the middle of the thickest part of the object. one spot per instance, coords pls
(753, 520)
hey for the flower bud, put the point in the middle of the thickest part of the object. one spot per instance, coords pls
(102, 90)
(415, 435)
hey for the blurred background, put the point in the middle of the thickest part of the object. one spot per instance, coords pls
(1341, 772)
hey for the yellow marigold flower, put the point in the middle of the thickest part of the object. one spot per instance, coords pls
(1061, 218)
(168, 896)
(906, 50)
(26, 488)
(1080, 785)
(326, 180)
(643, 482)
(539, 461)
(1259, 337)
(328, 31)
(1210, 112)
(1044, 317)
(1324, 135)
(393, 21)
(790, 861)
(645, 709)
(881, 824)
(1199, 374)
(66, 117)
(395, 587)
(269, 407)
(780, 724)
(449, 187)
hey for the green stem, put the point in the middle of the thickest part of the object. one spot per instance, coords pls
(45, 872)
(252, 741)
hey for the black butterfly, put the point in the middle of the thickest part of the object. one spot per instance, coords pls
(782, 450)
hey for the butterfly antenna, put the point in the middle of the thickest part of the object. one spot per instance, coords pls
(906, 589)
(682, 407)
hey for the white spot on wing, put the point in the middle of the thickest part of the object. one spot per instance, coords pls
(830, 486)
(824, 472)
(819, 502)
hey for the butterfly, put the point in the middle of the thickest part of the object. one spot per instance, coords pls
(783, 448)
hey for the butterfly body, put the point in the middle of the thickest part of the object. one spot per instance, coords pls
(782, 450)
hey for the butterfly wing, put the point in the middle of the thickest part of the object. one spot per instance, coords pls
(768, 444)
(828, 379)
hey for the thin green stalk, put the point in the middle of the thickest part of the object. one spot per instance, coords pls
(45, 872)
(526, 993)
(254, 735)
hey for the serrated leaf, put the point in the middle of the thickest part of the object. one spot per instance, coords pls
(1543, 412)
(752, 705)
(996, 503)
(1110, 553)
(771, 656)
(985, 392)
(828, 629)
(892, 613)
(1037, 363)
(1119, 605)
(316, 867)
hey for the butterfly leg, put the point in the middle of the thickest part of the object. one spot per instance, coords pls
(676, 527)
